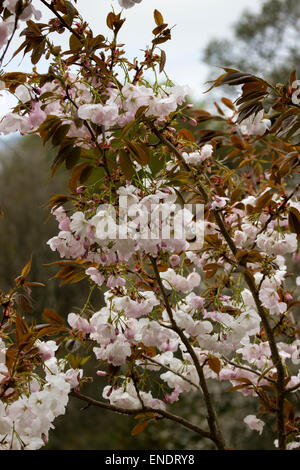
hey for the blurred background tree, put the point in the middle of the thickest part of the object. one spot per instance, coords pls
(264, 43)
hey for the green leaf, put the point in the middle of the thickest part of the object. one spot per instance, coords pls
(72, 157)
(86, 173)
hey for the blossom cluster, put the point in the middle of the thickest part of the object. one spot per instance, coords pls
(25, 420)
(119, 108)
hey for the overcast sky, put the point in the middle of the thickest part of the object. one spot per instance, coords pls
(195, 23)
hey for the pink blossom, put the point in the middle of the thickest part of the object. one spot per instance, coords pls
(254, 423)
(37, 116)
(174, 396)
(95, 275)
(196, 302)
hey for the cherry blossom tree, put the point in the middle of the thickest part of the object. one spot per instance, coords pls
(190, 297)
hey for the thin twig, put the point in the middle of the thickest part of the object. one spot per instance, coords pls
(165, 414)
(275, 214)
(294, 388)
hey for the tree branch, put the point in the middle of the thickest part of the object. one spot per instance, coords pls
(164, 414)
(150, 359)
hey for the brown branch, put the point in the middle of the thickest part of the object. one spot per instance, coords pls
(113, 52)
(73, 31)
(275, 214)
(135, 383)
(164, 414)
(215, 430)
(9, 41)
(150, 359)
(280, 382)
